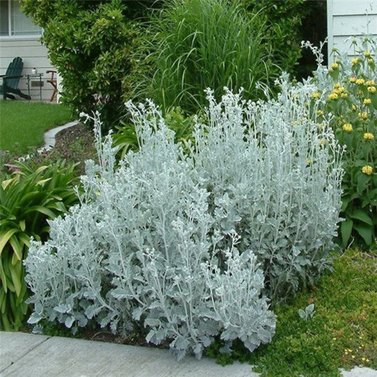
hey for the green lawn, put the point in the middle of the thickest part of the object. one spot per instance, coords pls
(22, 124)
(342, 331)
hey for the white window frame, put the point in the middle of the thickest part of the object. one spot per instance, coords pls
(10, 37)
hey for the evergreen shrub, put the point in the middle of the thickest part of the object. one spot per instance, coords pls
(94, 45)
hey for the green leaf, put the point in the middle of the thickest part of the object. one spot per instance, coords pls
(24, 238)
(45, 211)
(362, 182)
(22, 225)
(5, 238)
(16, 246)
(346, 230)
(365, 232)
(3, 278)
(359, 214)
(16, 272)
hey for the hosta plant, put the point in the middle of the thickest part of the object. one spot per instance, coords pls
(348, 98)
(186, 241)
(27, 199)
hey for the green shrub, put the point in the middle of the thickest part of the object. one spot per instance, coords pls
(349, 93)
(27, 200)
(207, 43)
(94, 47)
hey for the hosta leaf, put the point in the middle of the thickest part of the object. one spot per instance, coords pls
(43, 210)
(16, 273)
(22, 225)
(41, 169)
(43, 181)
(24, 238)
(16, 246)
(5, 238)
(3, 278)
(6, 183)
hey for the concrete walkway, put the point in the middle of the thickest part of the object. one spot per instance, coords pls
(49, 136)
(39, 356)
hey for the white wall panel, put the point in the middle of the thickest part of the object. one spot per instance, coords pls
(347, 18)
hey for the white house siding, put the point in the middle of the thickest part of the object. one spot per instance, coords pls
(350, 18)
(34, 55)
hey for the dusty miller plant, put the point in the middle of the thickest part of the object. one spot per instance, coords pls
(188, 245)
(142, 247)
(273, 174)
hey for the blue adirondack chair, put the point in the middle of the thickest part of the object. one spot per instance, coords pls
(11, 79)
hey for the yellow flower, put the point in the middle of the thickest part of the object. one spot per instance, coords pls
(320, 112)
(370, 82)
(316, 95)
(347, 127)
(360, 81)
(323, 141)
(344, 95)
(367, 169)
(334, 66)
(368, 136)
(367, 54)
(367, 101)
(333, 96)
(372, 89)
(354, 107)
(363, 115)
(355, 61)
(353, 79)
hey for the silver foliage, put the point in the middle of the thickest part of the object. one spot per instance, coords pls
(189, 245)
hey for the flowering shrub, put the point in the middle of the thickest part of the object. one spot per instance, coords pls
(348, 96)
(188, 245)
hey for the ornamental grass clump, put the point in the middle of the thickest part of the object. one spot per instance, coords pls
(188, 241)
(208, 43)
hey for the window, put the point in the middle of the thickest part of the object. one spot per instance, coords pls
(13, 22)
